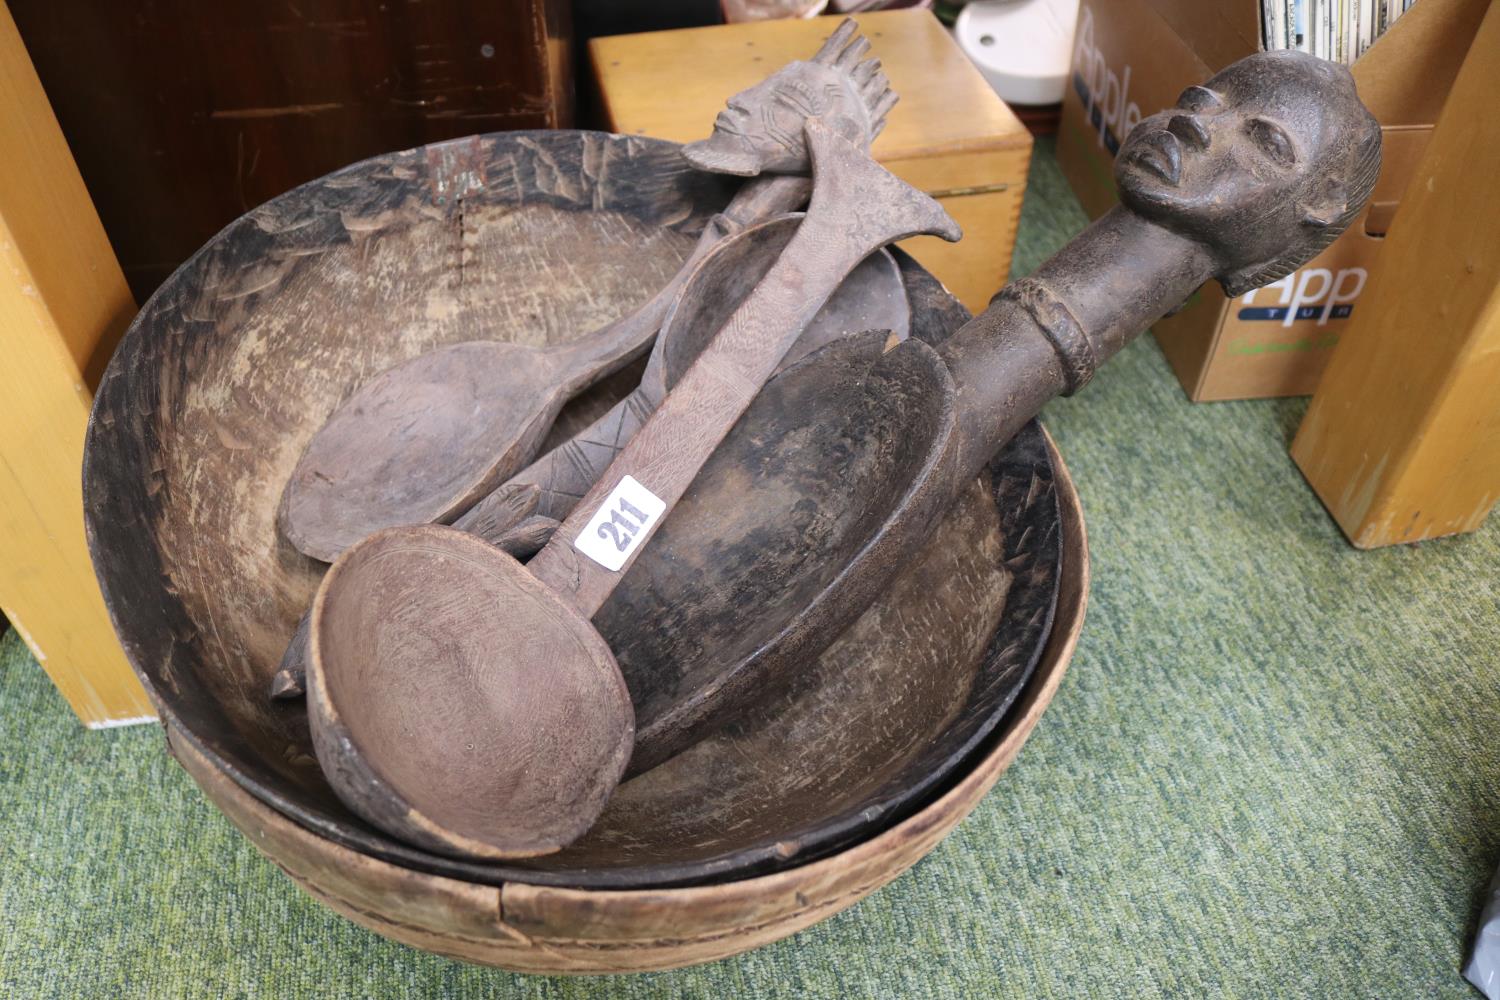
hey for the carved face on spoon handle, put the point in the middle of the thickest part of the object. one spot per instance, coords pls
(1250, 176)
(761, 129)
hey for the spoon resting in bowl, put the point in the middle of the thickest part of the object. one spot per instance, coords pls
(464, 702)
(424, 441)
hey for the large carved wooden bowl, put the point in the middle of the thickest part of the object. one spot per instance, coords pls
(534, 237)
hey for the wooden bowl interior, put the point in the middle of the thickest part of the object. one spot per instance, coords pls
(538, 237)
(238, 359)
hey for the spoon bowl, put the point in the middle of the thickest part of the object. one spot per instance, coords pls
(460, 699)
(476, 404)
(766, 530)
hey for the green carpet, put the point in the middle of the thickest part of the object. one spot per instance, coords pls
(1270, 772)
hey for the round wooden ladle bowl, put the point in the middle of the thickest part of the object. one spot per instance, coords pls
(762, 829)
(459, 701)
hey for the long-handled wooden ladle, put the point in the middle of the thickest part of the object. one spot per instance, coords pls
(425, 440)
(521, 514)
(846, 462)
(464, 702)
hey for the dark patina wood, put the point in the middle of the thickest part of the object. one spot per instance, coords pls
(191, 113)
(1054, 327)
(506, 518)
(857, 737)
(549, 929)
(429, 734)
(188, 445)
(909, 429)
(871, 298)
(437, 577)
(427, 439)
(223, 379)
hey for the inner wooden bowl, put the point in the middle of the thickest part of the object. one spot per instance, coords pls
(544, 929)
(535, 237)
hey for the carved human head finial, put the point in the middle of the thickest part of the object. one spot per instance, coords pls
(760, 129)
(1265, 164)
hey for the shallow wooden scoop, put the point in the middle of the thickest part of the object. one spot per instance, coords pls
(428, 438)
(844, 464)
(520, 515)
(489, 718)
(511, 524)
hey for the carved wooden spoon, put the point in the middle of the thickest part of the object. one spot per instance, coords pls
(424, 440)
(754, 574)
(511, 523)
(427, 439)
(464, 702)
(520, 515)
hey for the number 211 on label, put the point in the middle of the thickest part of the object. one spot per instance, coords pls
(621, 523)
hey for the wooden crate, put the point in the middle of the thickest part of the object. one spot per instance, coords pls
(950, 135)
(1402, 439)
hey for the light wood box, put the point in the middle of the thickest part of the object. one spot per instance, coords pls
(950, 135)
(63, 306)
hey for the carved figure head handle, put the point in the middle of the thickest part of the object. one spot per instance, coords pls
(761, 129)
(1265, 164)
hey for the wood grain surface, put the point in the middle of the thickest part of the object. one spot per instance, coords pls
(856, 208)
(873, 297)
(184, 115)
(1402, 438)
(457, 704)
(63, 303)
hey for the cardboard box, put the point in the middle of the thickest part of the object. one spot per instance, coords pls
(950, 135)
(1134, 57)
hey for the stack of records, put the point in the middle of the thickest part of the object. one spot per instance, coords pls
(1340, 30)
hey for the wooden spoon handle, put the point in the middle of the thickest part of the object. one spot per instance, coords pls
(857, 207)
(608, 349)
(566, 473)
